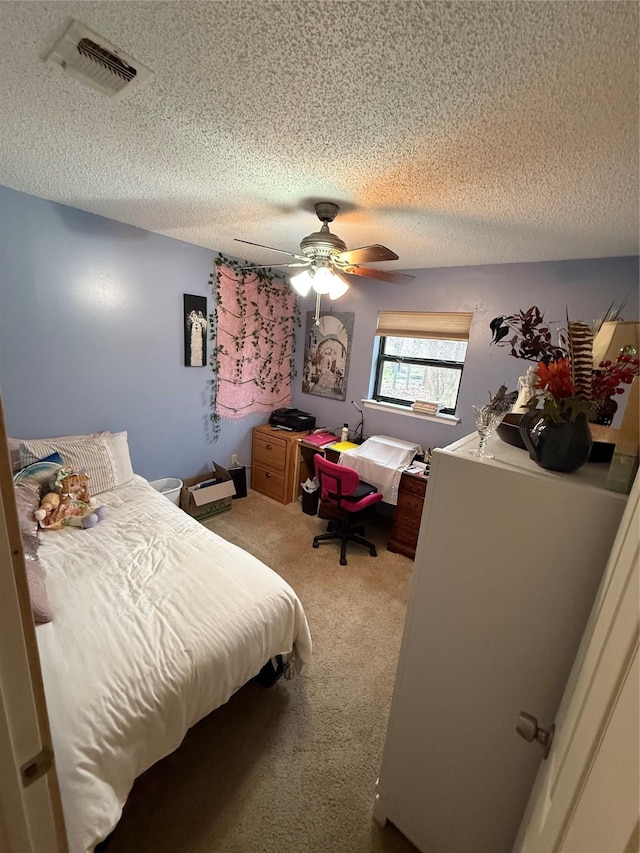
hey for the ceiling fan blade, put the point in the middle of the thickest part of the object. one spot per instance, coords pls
(260, 246)
(383, 275)
(367, 255)
(274, 264)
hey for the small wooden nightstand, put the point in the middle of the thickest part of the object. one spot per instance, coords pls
(407, 515)
(276, 463)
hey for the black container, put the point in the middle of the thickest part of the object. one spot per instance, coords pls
(239, 476)
(509, 432)
(556, 445)
(310, 502)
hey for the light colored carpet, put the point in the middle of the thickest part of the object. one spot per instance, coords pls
(291, 769)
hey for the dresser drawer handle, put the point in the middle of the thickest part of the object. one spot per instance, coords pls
(269, 446)
(268, 475)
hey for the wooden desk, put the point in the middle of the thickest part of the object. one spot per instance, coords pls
(407, 515)
(281, 462)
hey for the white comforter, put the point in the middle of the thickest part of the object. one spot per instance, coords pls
(157, 622)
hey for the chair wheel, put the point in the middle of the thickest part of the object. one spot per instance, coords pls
(316, 544)
(343, 562)
(373, 552)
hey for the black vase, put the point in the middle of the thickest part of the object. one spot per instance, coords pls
(563, 446)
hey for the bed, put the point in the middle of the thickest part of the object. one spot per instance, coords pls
(156, 622)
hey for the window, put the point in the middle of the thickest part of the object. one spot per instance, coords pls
(421, 357)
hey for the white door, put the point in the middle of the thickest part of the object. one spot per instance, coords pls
(586, 795)
(30, 813)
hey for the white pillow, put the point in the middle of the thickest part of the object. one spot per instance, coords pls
(117, 445)
(88, 454)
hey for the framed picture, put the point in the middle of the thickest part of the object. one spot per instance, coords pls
(326, 355)
(195, 330)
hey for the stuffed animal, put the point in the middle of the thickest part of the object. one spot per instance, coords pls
(68, 503)
(46, 514)
(76, 485)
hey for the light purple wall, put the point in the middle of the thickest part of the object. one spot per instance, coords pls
(91, 334)
(584, 287)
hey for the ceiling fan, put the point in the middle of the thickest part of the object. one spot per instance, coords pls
(324, 260)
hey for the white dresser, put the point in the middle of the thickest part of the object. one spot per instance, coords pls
(507, 566)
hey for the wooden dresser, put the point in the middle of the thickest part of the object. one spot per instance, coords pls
(276, 463)
(407, 515)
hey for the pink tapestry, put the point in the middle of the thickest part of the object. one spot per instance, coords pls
(254, 343)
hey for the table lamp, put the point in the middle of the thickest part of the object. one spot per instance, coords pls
(613, 338)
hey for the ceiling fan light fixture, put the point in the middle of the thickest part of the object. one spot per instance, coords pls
(338, 288)
(323, 280)
(301, 282)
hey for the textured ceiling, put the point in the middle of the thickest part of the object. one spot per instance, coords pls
(454, 132)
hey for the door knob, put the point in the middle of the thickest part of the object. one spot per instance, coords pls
(529, 729)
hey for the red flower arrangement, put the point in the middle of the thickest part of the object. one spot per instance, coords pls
(565, 379)
(555, 378)
(561, 400)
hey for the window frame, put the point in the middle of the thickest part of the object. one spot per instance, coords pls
(382, 358)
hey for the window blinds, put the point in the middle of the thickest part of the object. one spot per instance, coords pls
(442, 326)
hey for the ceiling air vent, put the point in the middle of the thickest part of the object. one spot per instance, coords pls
(94, 61)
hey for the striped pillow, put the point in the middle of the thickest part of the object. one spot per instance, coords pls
(14, 445)
(88, 455)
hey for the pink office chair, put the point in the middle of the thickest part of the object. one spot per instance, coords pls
(342, 488)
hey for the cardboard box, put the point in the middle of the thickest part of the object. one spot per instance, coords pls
(203, 501)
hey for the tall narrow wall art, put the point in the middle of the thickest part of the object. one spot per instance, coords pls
(195, 330)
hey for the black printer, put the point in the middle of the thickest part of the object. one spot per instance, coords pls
(292, 419)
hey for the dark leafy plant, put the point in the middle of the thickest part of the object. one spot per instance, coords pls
(531, 338)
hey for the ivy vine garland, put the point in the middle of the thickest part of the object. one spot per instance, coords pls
(269, 329)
